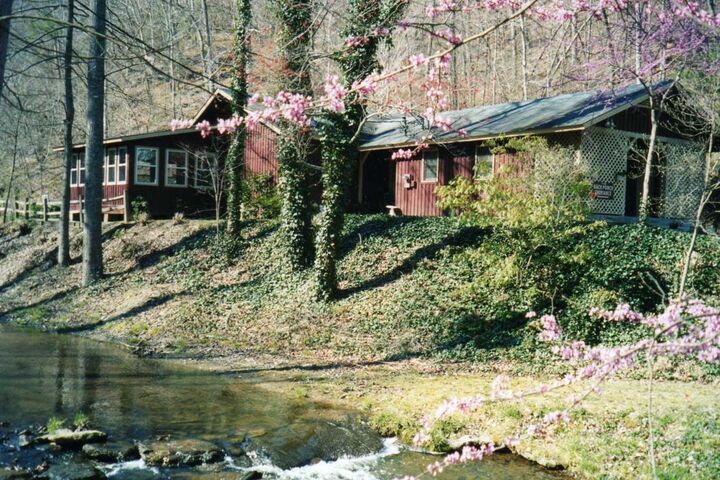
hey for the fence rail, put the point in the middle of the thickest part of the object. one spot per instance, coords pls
(49, 211)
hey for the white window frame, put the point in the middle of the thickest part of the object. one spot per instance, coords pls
(492, 162)
(74, 168)
(422, 167)
(106, 169)
(157, 166)
(198, 157)
(167, 167)
(124, 159)
(81, 169)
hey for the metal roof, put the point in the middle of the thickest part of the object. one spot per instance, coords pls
(572, 111)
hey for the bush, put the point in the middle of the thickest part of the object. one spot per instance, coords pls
(548, 187)
(260, 197)
(140, 210)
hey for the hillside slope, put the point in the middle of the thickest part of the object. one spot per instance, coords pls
(411, 287)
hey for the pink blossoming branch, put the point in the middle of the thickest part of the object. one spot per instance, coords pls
(686, 328)
(299, 108)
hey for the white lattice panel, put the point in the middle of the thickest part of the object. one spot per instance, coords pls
(606, 153)
(684, 179)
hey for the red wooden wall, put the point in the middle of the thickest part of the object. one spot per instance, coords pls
(260, 152)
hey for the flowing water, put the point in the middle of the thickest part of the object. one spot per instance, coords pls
(139, 400)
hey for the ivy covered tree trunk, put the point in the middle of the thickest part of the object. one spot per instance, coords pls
(94, 155)
(338, 131)
(64, 234)
(236, 154)
(293, 146)
(337, 159)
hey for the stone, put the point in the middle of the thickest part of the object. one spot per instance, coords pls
(180, 453)
(25, 441)
(457, 443)
(111, 453)
(72, 471)
(7, 474)
(74, 438)
(304, 443)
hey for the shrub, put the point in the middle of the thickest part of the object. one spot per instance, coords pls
(548, 187)
(55, 424)
(260, 197)
(178, 218)
(140, 209)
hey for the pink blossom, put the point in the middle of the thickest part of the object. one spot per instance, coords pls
(418, 60)
(180, 124)
(402, 154)
(550, 329)
(335, 92)
(204, 128)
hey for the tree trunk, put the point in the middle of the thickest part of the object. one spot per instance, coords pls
(523, 38)
(64, 237)
(236, 155)
(645, 200)
(5, 11)
(12, 173)
(209, 67)
(94, 155)
(295, 36)
(336, 161)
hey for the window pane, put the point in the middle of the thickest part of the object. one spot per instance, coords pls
(483, 165)
(203, 169)
(122, 165)
(73, 176)
(111, 161)
(430, 167)
(176, 168)
(146, 165)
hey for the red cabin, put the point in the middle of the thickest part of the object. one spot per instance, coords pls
(172, 171)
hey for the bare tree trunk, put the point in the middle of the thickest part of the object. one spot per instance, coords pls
(5, 11)
(92, 240)
(523, 38)
(645, 201)
(704, 198)
(208, 52)
(12, 172)
(64, 237)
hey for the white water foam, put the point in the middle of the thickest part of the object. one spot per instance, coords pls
(115, 468)
(344, 468)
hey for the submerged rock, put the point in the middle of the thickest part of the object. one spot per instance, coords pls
(74, 438)
(306, 443)
(111, 453)
(180, 453)
(7, 474)
(72, 471)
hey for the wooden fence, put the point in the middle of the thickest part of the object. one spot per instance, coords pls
(47, 211)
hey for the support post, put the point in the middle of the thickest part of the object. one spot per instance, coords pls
(82, 209)
(26, 210)
(45, 208)
(126, 206)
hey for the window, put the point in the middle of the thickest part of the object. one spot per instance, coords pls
(81, 168)
(122, 165)
(484, 163)
(110, 166)
(176, 166)
(430, 166)
(204, 165)
(74, 169)
(146, 166)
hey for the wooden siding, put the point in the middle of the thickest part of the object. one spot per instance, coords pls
(260, 153)
(419, 200)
